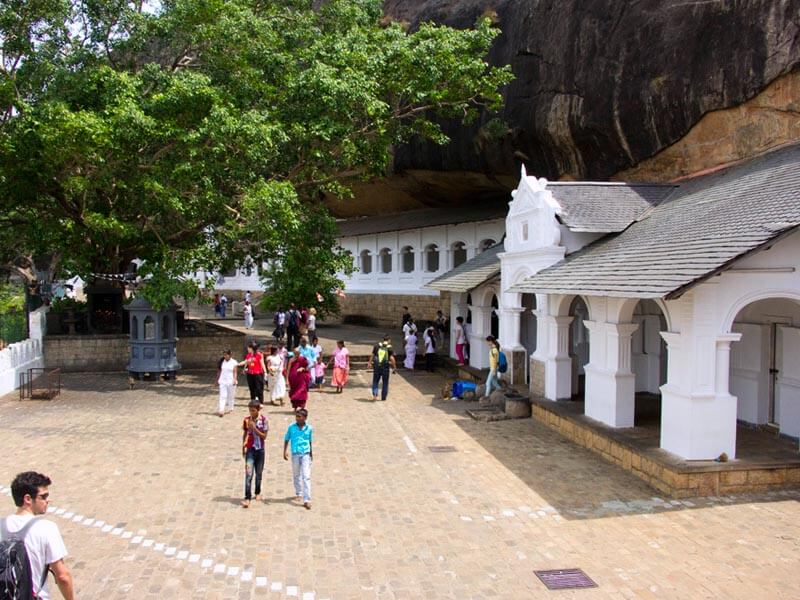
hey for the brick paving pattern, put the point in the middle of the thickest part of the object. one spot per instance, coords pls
(147, 484)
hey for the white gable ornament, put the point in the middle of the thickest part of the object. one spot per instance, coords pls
(531, 221)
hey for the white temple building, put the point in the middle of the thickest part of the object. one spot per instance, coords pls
(689, 291)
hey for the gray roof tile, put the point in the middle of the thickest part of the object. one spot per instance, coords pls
(472, 273)
(707, 223)
(605, 207)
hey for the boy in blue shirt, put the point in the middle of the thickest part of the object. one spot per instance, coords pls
(299, 436)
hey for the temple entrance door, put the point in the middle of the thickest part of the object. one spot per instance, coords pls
(785, 379)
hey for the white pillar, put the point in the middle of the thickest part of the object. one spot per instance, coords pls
(481, 327)
(510, 323)
(610, 383)
(557, 362)
(696, 424)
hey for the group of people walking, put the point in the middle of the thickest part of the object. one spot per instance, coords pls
(294, 324)
(432, 338)
(279, 372)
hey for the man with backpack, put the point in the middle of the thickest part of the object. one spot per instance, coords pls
(292, 327)
(382, 358)
(31, 547)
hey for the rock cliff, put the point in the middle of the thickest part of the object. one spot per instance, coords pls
(601, 86)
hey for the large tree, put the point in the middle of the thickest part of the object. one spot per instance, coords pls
(202, 134)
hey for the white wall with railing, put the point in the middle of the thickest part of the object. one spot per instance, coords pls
(27, 354)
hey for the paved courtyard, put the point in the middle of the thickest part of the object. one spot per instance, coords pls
(147, 484)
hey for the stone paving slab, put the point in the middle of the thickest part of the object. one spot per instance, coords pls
(147, 484)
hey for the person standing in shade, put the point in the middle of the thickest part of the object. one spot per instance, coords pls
(460, 340)
(217, 312)
(382, 358)
(411, 351)
(227, 379)
(223, 305)
(255, 370)
(409, 327)
(406, 316)
(279, 320)
(341, 366)
(43, 542)
(299, 435)
(494, 363)
(429, 337)
(254, 435)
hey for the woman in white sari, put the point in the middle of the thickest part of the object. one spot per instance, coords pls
(277, 382)
(411, 350)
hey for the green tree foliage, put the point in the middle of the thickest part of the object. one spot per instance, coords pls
(205, 133)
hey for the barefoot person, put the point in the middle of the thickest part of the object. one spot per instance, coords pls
(341, 366)
(42, 539)
(299, 435)
(299, 378)
(254, 428)
(227, 378)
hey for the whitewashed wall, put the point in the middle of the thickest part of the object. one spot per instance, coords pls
(24, 355)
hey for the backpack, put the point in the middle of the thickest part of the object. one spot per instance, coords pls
(382, 354)
(291, 321)
(502, 362)
(16, 578)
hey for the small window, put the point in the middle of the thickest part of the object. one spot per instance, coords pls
(385, 260)
(366, 262)
(431, 258)
(525, 231)
(149, 328)
(165, 330)
(135, 328)
(486, 244)
(407, 259)
(459, 253)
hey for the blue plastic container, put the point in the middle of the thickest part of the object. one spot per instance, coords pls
(460, 386)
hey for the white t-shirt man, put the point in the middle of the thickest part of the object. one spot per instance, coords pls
(44, 545)
(408, 328)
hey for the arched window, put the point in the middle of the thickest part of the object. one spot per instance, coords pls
(486, 244)
(385, 260)
(165, 332)
(431, 258)
(407, 259)
(366, 262)
(149, 328)
(459, 250)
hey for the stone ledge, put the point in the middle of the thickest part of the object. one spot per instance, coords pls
(675, 479)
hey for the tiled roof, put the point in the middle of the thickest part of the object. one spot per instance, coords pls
(704, 226)
(427, 217)
(605, 207)
(470, 274)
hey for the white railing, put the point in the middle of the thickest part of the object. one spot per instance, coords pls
(27, 354)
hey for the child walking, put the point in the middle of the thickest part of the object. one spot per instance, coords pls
(299, 436)
(255, 428)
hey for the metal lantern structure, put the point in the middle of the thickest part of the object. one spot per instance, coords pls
(153, 340)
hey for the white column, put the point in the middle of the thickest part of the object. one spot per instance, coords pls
(610, 383)
(481, 327)
(696, 424)
(510, 323)
(557, 362)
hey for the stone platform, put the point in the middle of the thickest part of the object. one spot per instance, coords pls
(764, 462)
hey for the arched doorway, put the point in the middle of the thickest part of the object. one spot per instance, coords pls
(528, 330)
(648, 360)
(765, 365)
(578, 344)
(495, 323)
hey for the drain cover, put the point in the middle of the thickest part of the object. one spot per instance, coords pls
(565, 579)
(442, 448)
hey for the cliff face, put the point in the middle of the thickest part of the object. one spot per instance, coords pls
(601, 85)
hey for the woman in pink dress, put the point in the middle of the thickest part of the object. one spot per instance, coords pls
(341, 366)
(299, 378)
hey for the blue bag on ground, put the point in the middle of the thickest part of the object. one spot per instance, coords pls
(459, 387)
